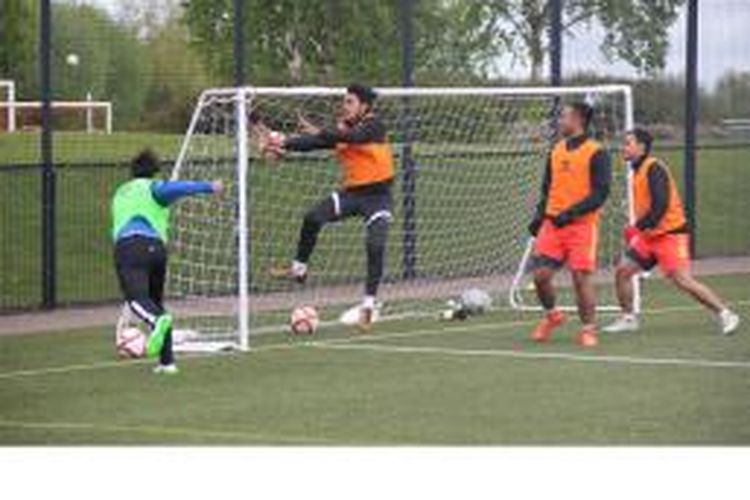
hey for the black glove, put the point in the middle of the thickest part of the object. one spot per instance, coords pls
(535, 225)
(562, 219)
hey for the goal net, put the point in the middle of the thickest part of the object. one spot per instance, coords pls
(469, 167)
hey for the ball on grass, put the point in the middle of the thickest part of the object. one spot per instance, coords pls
(304, 320)
(130, 343)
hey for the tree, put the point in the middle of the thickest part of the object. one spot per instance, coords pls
(636, 31)
(18, 42)
(178, 76)
(114, 64)
(332, 41)
(732, 95)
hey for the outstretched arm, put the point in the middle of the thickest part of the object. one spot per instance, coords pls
(368, 130)
(167, 192)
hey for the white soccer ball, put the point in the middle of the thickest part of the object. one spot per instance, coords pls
(304, 320)
(130, 343)
(476, 301)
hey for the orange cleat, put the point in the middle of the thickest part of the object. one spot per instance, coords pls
(587, 337)
(543, 331)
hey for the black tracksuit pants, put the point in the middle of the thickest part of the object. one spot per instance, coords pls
(141, 264)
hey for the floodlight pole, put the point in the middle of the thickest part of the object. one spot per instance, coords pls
(555, 42)
(49, 264)
(408, 166)
(691, 118)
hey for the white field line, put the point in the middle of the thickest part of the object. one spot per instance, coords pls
(463, 327)
(561, 356)
(231, 436)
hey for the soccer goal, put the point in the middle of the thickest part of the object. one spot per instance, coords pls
(470, 162)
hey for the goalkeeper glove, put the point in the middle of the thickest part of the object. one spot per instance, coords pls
(535, 225)
(635, 241)
(273, 144)
(630, 233)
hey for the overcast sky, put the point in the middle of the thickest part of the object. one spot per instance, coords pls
(724, 28)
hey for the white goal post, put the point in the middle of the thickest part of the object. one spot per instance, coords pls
(469, 165)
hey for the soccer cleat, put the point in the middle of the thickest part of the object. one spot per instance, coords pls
(728, 321)
(543, 331)
(166, 369)
(366, 318)
(291, 272)
(587, 337)
(158, 334)
(625, 323)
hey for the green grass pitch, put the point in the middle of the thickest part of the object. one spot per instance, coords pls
(409, 382)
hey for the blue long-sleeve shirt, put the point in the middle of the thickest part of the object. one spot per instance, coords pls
(165, 193)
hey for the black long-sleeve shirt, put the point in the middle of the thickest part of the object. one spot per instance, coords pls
(369, 129)
(601, 177)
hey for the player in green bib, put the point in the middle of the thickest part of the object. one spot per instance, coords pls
(140, 229)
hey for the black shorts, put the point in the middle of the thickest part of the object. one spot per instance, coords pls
(369, 202)
(141, 265)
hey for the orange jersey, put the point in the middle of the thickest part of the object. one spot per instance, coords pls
(571, 177)
(674, 217)
(365, 163)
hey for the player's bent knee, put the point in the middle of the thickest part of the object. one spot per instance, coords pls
(543, 275)
(625, 271)
(377, 233)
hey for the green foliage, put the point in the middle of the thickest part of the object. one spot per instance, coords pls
(18, 35)
(114, 64)
(636, 31)
(733, 95)
(178, 74)
(334, 41)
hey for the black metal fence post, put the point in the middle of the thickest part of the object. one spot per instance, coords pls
(49, 254)
(555, 41)
(691, 116)
(238, 37)
(408, 167)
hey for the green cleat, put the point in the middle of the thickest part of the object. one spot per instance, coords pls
(156, 339)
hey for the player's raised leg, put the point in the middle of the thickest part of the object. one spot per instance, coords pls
(327, 210)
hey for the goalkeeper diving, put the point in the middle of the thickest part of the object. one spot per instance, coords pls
(366, 160)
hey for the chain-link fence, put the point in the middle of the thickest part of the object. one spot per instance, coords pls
(124, 75)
